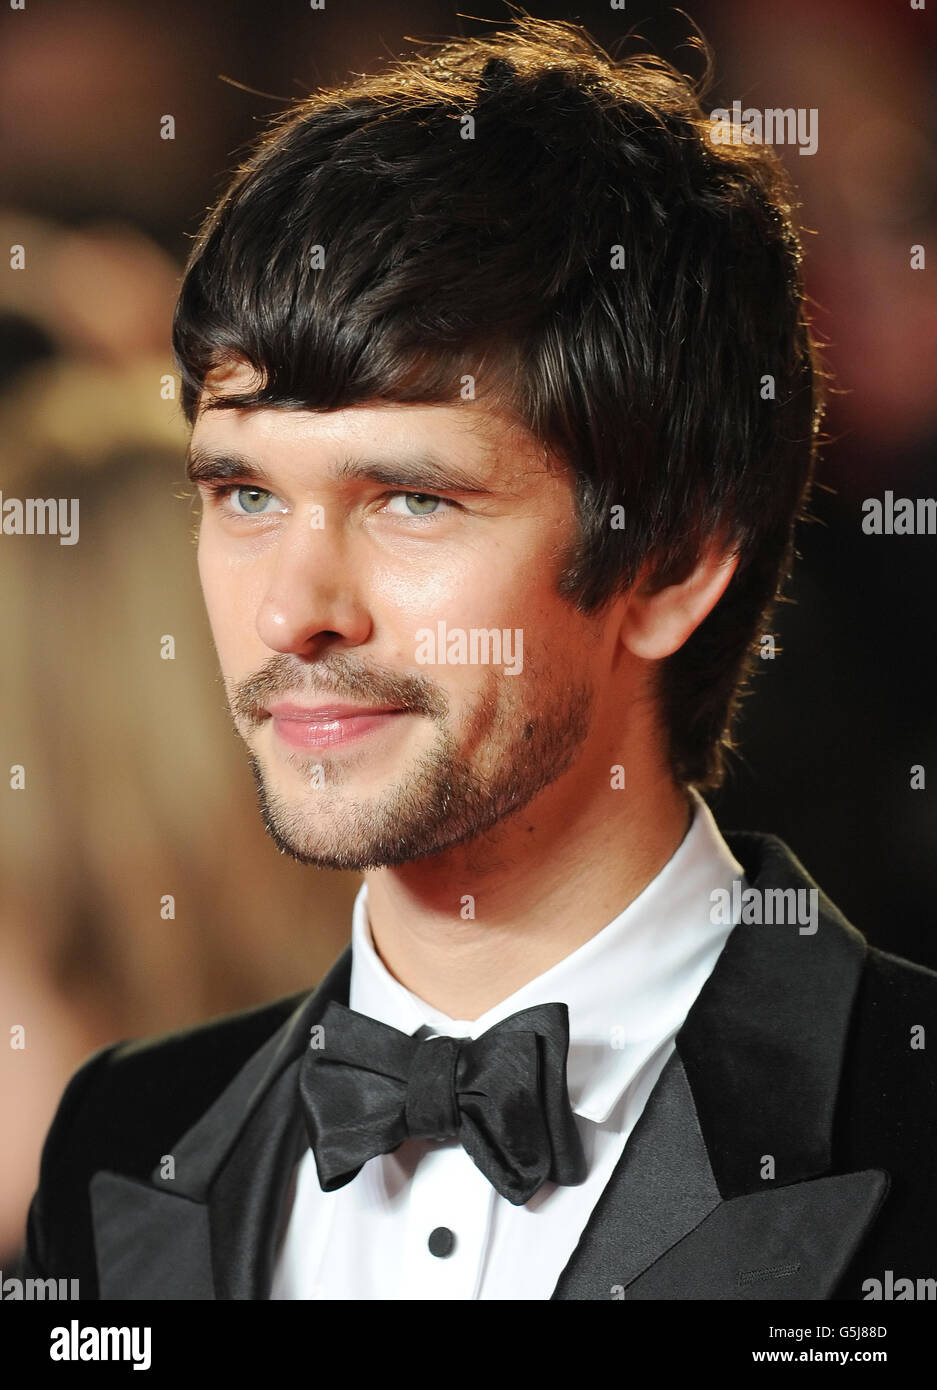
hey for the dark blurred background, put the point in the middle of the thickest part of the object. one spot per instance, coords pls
(136, 788)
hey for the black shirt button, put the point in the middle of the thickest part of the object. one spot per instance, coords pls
(441, 1242)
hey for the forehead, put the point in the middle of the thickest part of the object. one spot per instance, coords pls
(471, 429)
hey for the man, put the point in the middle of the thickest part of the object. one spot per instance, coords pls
(504, 405)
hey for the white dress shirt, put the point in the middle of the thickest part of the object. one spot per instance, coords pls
(628, 990)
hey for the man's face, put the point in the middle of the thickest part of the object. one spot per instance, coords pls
(345, 568)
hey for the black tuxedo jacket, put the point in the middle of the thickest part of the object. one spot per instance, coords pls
(798, 1050)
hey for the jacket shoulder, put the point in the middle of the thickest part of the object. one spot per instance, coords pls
(126, 1102)
(887, 1115)
(895, 976)
(895, 1020)
(160, 1086)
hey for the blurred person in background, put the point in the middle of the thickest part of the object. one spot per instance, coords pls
(110, 924)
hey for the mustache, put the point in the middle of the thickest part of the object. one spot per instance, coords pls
(338, 676)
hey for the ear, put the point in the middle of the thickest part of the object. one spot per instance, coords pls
(657, 621)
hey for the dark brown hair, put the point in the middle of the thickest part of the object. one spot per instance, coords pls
(623, 284)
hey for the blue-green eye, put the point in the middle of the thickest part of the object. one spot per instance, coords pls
(424, 503)
(420, 499)
(253, 500)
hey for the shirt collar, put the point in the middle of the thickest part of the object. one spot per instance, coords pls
(628, 988)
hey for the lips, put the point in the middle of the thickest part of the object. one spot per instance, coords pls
(286, 710)
(325, 726)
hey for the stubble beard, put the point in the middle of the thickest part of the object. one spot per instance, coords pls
(446, 799)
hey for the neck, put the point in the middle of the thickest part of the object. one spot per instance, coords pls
(465, 929)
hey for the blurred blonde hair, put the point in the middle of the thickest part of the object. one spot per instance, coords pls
(137, 787)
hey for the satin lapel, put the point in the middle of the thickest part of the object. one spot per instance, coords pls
(210, 1230)
(725, 1188)
(662, 1188)
(149, 1244)
(790, 1242)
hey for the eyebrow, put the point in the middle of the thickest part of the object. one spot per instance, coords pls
(417, 473)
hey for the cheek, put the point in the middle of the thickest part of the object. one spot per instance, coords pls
(212, 573)
(425, 587)
(230, 601)
(500, 589)
(474, 588)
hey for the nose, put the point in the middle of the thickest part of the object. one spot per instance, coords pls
(313, 592)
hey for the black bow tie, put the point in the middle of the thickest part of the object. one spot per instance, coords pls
(369, 1087)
